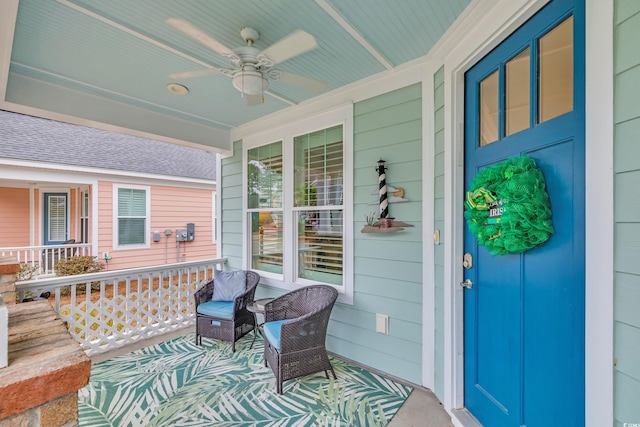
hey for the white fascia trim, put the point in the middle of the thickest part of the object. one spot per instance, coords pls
(46, 114)
(119, 95)
(487, 23)
(74, 173)
(41, 176)
(599, 262)
(8, 16)
(428, 218)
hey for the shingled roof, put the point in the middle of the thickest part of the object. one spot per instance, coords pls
(35, 139)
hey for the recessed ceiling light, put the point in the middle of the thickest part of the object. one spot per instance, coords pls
(177, 89)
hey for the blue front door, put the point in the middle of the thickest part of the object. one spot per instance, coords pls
(55, 218)
(524, 314)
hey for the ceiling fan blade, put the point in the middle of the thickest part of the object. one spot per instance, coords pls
(195, 73)
(199, 35)
(304, 82)
(292, 45)
(253, 100)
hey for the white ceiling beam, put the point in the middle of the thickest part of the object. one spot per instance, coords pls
(8, 16)
(132, 32)
(336, 16)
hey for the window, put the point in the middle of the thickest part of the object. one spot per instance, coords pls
(318, 194)
(264, 169)
(298, 199)
(84, 216)
(131, 206)
(556, 72)
(511, 101)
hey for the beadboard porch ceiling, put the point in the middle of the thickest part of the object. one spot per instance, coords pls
(107, 63)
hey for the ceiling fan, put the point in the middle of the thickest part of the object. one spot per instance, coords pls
(252, 68)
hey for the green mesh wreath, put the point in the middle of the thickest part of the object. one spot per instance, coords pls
(507, 207)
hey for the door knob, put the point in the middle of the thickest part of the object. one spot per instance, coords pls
(467, 284)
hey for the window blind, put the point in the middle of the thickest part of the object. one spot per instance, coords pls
(132, 213)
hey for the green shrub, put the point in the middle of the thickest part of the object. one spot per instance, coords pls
(75, 265)
(27, 272)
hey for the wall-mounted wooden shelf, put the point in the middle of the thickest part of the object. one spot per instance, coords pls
(376, 229)
(396, 226)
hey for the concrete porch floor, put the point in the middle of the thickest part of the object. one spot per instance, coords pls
(421, 409)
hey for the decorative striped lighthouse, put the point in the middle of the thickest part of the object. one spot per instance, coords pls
(382, 190)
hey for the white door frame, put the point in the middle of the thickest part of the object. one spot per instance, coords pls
(483, 27)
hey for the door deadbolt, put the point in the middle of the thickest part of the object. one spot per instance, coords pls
(467, 261)
(467, 284)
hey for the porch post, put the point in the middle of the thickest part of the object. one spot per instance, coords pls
(9, 267)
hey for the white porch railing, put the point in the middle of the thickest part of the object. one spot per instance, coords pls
(43, 258)
(124, 306)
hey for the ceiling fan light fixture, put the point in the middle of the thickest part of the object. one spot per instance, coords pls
(250, 82)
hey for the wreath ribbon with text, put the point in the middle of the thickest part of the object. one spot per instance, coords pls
(507, 207)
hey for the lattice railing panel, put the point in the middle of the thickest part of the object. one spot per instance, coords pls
(125, 306)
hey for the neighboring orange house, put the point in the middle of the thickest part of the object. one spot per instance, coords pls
(129, 197)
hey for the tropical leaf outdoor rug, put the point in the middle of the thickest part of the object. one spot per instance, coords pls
(176, 383)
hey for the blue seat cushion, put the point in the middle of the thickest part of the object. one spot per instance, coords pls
(219, 309)
(272, 332)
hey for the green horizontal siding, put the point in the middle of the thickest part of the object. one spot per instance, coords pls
(625, 9)
(387, 267)
(626, 212)
(627, 152)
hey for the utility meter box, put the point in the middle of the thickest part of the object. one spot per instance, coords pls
(181, 235)
(191, 231)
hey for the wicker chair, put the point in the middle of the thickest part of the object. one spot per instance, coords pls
(231, 329)
(295, 330)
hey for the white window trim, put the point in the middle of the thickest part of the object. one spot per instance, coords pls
(147, 224)
(340, 116)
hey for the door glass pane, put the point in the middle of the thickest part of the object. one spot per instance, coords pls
(517, 93)
(57, 218)
(320, 235)
(556, 71)
(489, 109)
(266, 241)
